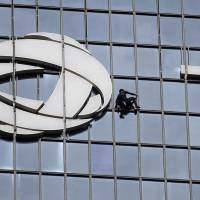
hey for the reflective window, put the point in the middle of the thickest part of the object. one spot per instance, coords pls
(5, 86)
(79, 135)
(174, 96)
(27, 187)
(148, 62)
(175, 130)
(98, 26)
(52, 156)
(102, 189)
(49, 2)
(170, 6)
(122, 28)
(127, 161)
(73, 4)
(171, 62)
(102, 128)
(191, 6)
(194, 57)
(153, 190)
(102, 53)
(178, 191)
(49, 21)
(121, 5)
(102, 159)
(147, 6)
(123, 61)
(97, 4)
(169, 37)
(192, 29)
(177, 163)
(152, 162)
(75, 151)
(146, 28)
(27, 155)
(6, 149)
(6, 186)
(5, 21)
(27, 87)
(126, 129)
(52, 187)
(195, 191)
(5, 1)
(150, 128)
(149, 94)
(74, 25)
(195, 158)
(127, 189)
(29, 2)
(194, 131)
(194, 97)
(77, 188)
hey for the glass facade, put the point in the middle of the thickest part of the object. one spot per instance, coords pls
(153, 155)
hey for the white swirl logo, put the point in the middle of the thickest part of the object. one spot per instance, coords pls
(83, 75)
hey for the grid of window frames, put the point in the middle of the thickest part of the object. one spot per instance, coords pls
(153, 155)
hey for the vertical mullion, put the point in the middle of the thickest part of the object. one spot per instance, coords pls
(14, 100)
(137, 89)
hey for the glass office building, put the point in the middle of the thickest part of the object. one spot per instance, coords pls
(154, 155)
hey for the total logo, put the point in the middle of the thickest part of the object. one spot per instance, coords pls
(87, 84)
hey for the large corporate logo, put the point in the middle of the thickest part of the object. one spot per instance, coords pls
(83, 90)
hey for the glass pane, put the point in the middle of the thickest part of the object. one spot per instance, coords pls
(122, 28)
(151, 128)
(121, 5)
(49, 21)
(5, 1)
(194, 97)
(147, 6)
(123, 61)
(175, 130)
(194, 131)
(102, 189)
(177, 163)
(127, 189)
(194, 58)
(74, 25)
(195, 158)
(146, 28)
(148, 62)
(126, 129)
(169, 37)
(102, 128)
(6, 186)
(29, 2)
(5, 21)
(149, 95)
(49, 2)
(195, 191)
(27, 187)
(52, 156)
(98, 26)
(152, 162)
(79, 135)
(27, 155)
(73, 4)
(170, 6)
(6, 149)
(174, 96)
(52, 187)
(27, 87)
(102, 159)
(178, 191)
(127, 161)
(75, 151)
(192, 29)
(102, 53)
(77, 188)
(191, 7)
(171, 62)
(5, 86)
(97, 4)
(153, 190)
(25, 21)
